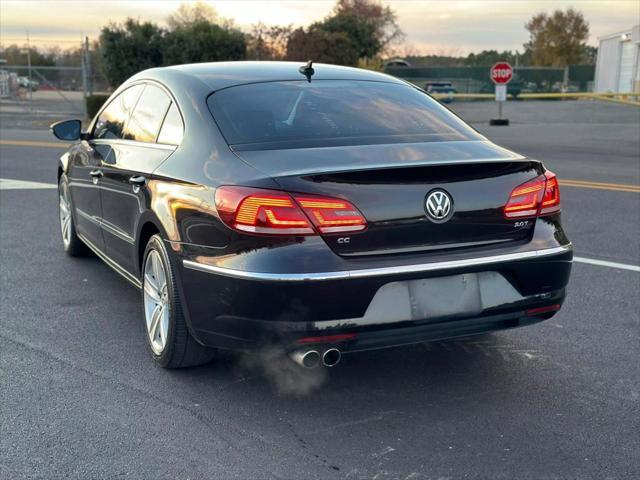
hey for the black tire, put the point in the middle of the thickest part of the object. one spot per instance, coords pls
(73, 246)
(181, 349)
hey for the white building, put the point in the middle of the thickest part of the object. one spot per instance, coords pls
(618, 63)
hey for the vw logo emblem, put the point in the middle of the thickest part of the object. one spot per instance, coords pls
(439, 206)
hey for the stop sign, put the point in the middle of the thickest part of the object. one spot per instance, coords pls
(501, 73)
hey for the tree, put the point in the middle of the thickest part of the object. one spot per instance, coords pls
(355, 29)
(15, 55)
(362, 32)
(190, 13)
(203, 41)
(268, 42)
(129, 48)
(382, 19)
(321, 46)
(489, 57)
(590, 55)
(558, 39)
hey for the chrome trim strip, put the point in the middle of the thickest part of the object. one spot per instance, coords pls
(116, 232)
(112, 263)
(107, 227)
(133, 143)
(375, 272)
(89, 217)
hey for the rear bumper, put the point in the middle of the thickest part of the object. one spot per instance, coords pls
(241, 309)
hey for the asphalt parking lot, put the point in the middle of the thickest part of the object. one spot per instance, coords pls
(80, 398)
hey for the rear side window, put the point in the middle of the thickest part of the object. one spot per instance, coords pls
(172, 127)
(147, 116)
(111, 122)
(331, 112)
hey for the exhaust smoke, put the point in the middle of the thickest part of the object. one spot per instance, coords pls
(288, 377)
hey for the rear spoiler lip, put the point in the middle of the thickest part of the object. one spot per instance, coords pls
(503, 155)
(407, 165)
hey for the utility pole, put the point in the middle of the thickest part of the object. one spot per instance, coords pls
(87, 63)
(29, 69)
(83, 60)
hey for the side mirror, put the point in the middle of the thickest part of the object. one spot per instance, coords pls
(67, 130)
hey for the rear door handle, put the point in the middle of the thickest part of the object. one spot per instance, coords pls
(95, 175)
(137, 181)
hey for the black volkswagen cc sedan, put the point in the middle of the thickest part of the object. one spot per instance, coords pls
(322, 208)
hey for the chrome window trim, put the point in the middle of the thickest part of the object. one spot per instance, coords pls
(122, 88)
(133, 143)
(375, 272)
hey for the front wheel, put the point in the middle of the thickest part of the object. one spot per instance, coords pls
(168, 337)
(73, 246)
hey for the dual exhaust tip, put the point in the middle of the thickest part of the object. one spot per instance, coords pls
(312, 358)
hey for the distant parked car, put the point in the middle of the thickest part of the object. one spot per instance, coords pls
(397, 62)
(25, 82)
(441, 87)
(562, 88)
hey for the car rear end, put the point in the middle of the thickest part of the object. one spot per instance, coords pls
(389, 222)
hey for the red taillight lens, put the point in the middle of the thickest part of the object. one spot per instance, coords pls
(525, 199)
(273, 212)
(537, 197)
(331, 215)
(261, 211)
(551, 198)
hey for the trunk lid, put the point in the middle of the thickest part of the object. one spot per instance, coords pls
(390, 185)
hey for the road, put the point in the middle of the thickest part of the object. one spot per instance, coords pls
(80, 397)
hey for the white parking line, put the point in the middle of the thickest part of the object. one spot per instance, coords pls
(9, 184)
(604, 263)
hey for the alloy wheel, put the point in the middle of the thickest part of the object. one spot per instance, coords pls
(156, 302)
(65, 214)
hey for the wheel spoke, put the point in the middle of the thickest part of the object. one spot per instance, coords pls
(150, 288)
(159, 272)
(66, 227)
(164, 325)
(156, 316)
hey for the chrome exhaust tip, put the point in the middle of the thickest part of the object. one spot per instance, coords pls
(306, 358)
(331, 357)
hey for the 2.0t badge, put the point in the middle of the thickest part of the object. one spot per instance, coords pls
(439, 206)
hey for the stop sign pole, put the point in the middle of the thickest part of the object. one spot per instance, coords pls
(501, 74)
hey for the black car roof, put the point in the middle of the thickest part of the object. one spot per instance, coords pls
(219, 75)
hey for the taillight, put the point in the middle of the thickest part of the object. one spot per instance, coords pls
(332, 215)
(525, 199)
(272, 212)
(551, 197)
(536, 197)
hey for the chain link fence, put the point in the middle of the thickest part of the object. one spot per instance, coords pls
(474, 80)
(37, 95)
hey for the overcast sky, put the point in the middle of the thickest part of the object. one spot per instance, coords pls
(437, 26)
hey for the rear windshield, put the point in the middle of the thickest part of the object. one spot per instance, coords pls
(331, 112)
